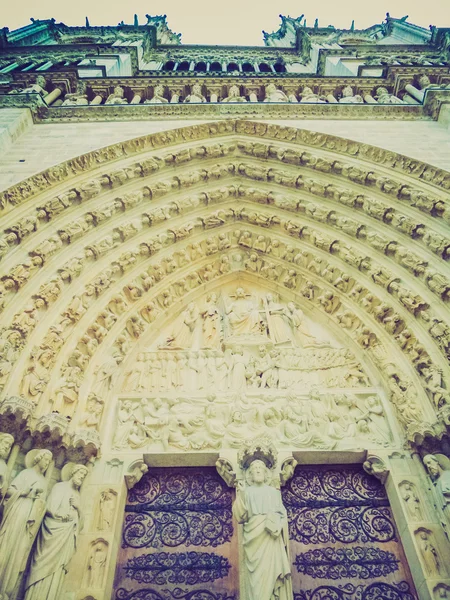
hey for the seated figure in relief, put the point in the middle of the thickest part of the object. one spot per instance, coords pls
(308, 95)
(384, 97)
(243, 315)
(158, 96)
(196, 94)
(234, 95)
(275, 95)
(117, 97)
(349, 98)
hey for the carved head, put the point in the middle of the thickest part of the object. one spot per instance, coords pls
(257, 472)
(78, 475)
(271, 88)
(382, 91)
(432, 465)
(158, 91)
(119, 91)
(347, 92)
(233, 92)
(6, 441)
(43, 459)
(197, 89)
(424, 81)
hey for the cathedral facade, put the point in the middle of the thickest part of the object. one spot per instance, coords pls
(225, 326)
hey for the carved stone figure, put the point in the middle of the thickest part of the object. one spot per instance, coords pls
(6, 441)
(234, 95)
(23, 511)
(96, 565)
(411, 500)
(158, 96)
(438, 467)
(106, 509)
(243, 315)
(117, 97)
(196, 94)
(430, 556)
(57, 538)
(384, 97)
(275, 95)
(349, 98)
(259, 508)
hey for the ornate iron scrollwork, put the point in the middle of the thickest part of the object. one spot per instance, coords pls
(362, 562)
(176, 509)
(176, 594)
(189, 568)
(343, 505)
(374, 591)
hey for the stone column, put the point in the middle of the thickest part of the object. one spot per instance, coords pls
(98, 99)
(368, 99)
(414, 92)
(253, 94)
(214, 93)
(136, 99)
(52, 96)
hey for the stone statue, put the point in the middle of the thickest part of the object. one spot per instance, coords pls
(196, 94)
(96, 565)
(106, 508)
(6, 441)
(384, 97)
(308, 95)
(211, 323)
(430, 557)
(57, 538)
(23, 512)
(243, 315)
(117, 97)
(275, 95)
(158, 96)
(349, 98)
(234, 95)
(278, 320)
(411, 500)
(438, 467)
(259, 508)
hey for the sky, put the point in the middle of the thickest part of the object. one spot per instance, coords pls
(230, 22)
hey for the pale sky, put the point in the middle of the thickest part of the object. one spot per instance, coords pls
(231, 22)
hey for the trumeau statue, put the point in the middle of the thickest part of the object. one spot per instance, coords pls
(57, 539)
(23, 511)
(259, 508)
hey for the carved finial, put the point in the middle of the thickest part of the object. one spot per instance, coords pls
(87, 22)
(136, 21)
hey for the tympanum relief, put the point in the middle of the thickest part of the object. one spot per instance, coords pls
(245, 362)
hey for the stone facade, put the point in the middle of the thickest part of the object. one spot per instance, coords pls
(221, 270)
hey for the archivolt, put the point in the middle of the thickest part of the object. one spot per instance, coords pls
(360, 235)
